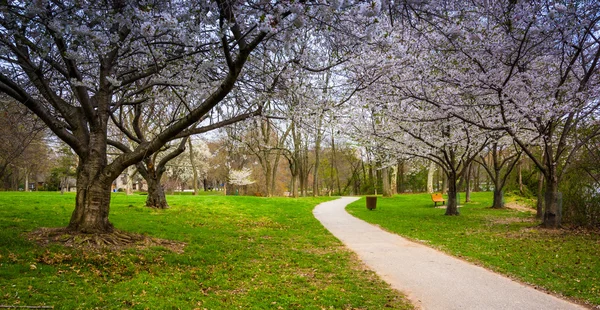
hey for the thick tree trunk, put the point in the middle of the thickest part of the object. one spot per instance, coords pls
(498, 198)
(452, 203)
(552, 203)
(498, 190)
(92, 202)
(156, 195)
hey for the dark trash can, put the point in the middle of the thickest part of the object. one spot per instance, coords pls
(371, 202)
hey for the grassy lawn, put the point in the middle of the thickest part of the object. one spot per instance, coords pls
(242, 252)
(507, 241)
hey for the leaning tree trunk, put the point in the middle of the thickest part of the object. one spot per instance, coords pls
(452, 203)
(92, 202)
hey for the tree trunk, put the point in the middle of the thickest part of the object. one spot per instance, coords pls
(430, 173)
(477, 187)
(156, 195)
(63, 183)
(274, 173)
(520, 176)
(552, 202)
(452, 203)
(540, 197)
(129, 180)
(92, 202)
(393, 177)
(498, 198)
(468, 184)
(387, 191)
(498, 188)
(295, 185)
(268, 174)
(316, 191)
(400, 178)
(194, 169)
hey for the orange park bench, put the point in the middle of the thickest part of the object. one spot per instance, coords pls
(437, 198)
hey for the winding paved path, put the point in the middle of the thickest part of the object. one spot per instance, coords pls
(430, 278)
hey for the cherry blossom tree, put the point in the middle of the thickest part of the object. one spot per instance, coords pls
(529, 69)
(399, 129)
(77, 64)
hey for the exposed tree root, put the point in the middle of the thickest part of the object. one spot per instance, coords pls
(116, 241)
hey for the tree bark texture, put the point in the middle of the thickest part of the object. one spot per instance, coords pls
(430, 173)
(129, 180)
(386, 188)
(400, 178)
(498, 198)
(540, 196)
(92, 202)
(156, 194)
(552, 203)
(452, 203)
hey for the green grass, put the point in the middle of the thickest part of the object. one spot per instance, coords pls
(507, 241)
(242, 252)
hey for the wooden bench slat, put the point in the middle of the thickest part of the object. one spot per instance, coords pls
(437, 198)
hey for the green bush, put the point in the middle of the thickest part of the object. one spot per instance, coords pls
(581, 201)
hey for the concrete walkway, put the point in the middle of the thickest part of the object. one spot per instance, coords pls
(430, 279)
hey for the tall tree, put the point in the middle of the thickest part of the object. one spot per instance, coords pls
(75, 64)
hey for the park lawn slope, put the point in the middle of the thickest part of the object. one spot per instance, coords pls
(241, 252)
(564, 262)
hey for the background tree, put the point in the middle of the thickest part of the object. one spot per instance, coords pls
(21, 137)
(499, 160)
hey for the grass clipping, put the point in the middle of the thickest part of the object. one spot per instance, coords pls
(115, 241)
